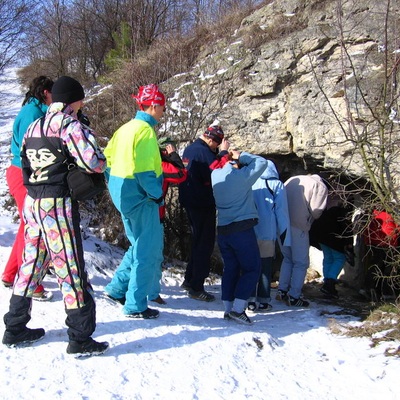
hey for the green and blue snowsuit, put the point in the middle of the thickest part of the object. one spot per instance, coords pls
(135, 185)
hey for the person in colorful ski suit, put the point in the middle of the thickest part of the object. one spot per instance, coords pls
(135, 186)
(52, 231)
(34, 106)
(273, 224)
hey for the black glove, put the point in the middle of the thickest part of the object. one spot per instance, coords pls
(283, 236)
(82, 118)
(159, 200)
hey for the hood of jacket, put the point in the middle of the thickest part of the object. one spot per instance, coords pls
(271, 172)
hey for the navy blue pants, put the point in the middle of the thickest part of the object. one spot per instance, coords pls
(242, 264)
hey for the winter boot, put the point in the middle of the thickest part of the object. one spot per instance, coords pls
(149, 313)
(329, 289)
(87, 348)
(24, 337)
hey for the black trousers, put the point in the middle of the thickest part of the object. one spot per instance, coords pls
(81, 321)
(202, 223)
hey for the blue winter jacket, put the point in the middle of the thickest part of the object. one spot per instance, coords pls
(273, 215)
(232, 189)
(30, 111)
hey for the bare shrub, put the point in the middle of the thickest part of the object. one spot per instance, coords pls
(381, 326)
(29, 72)
(176, 227)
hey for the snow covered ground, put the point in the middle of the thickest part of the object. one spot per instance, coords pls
(190, 351)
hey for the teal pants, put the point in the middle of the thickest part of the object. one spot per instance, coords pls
(155, 287)
(140, 266)
(332, 262)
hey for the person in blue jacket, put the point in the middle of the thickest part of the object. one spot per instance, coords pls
(135, 185)
(196, 196)
(34, 106)
(237, 216)
(273, 224)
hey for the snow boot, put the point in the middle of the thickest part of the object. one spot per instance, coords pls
(329, 289)
(87, 348)
(149, 313)
(24, 337)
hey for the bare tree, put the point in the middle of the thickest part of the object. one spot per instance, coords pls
(13, 21)
(51, 40)
(371, 122)
(94, 24)
(366, 107)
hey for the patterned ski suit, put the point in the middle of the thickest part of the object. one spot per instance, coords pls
(52, 230)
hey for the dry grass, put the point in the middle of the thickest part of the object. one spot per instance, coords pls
(382, 325)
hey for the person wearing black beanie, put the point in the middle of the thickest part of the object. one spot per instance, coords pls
(67, 90)
(52, 232)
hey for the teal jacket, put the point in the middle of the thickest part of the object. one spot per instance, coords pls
(134, 164)
(31, 111)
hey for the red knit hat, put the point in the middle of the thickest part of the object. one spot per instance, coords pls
(149, 95)
(215, 133)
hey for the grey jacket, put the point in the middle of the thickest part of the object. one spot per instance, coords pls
(307, 196)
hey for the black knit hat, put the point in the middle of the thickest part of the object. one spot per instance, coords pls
(67, 90)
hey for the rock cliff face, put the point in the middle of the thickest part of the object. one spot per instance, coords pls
(277, 85)
(303, 82)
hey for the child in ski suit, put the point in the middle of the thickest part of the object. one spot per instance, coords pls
(52, 218)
